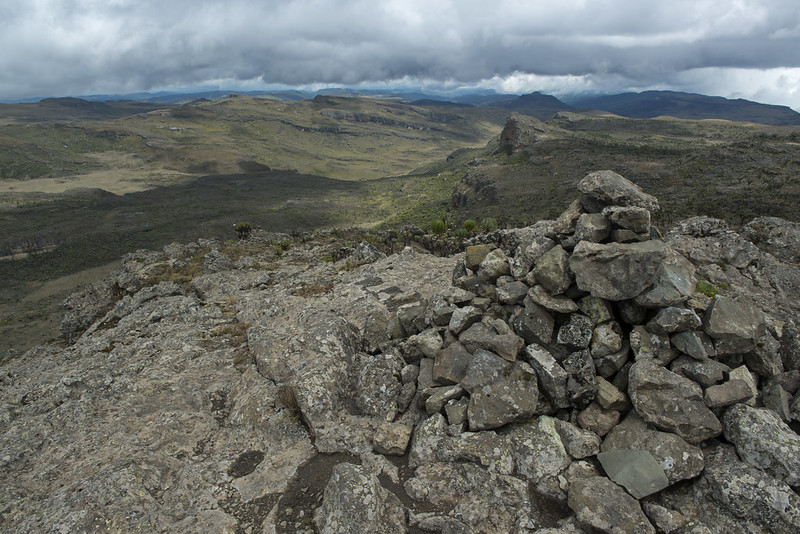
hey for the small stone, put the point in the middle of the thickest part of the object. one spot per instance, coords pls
(730, 392)
(557, 303)
(631, 218)
(474, 255)
(598, 420)
(611, 398)
(534, 324)
(601, 504)
(576, 333)
(463, 318)
(451, 364)
(552, 377)
(439, 396)
(494, 265)
(733, 326)
(456, 411)
(743, 373)
(671, 319)
(635, 470)
(693, 343)
(512, 293)
(777, 400)
(596, 309)
(594, 227)
(606, 339)
(552, 271)
(647, 345)
(579, 443)
(392, 439)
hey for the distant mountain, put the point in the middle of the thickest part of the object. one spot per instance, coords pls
(538, 105)
(651, 104)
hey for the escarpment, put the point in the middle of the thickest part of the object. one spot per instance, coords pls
(579, 375)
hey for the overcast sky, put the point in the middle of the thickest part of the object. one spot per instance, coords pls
(733, 48)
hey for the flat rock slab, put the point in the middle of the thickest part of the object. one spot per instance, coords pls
(612, 189)
(635, 470)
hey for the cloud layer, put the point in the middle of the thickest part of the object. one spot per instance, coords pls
(744, 48)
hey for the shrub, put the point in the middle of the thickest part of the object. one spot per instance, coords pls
(470, 226)
(438, 227)
(489, 224)
(462, 233)
(243, 229)
(706, 289)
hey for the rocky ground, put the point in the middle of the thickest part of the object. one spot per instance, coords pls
(579, 375)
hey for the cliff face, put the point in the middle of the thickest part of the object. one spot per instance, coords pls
(569, 374)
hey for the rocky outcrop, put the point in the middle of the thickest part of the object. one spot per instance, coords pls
(564, 377)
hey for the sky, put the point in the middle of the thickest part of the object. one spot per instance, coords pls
(733, 48)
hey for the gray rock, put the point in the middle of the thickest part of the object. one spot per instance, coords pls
(534, 324)
(354, 501)
(616, 271)
(456, 411)
(674, 282)
(552, 270)
(744, 374)
(750, 494)
(596, 309)
(631, 313)
(494, 265)
(630, 218)
(576, 333)
(552, 377)
(671, 402)
(779, 237)
(539, 455)
(84, 307)
(693, 343)
(216, 262)
(602, 505)
(392, 438)
(704, 372)
(606, 339)
(427, 343)
(671, 319)
(512, 293)
(678, 459)
(611, 398)
(474, 255)
(512, 398)
(483, 336)
(578, 442)
(765, 358)
(463, 318)
(635, 470)
(565, 224)
(727, 393)
(597, 419)
(557, 303)
(609, 365)
(732, 325)
(451, 364)
(582, 383)
(777, 400)
(484, 369)
(611, 189)
(647, 345)
(764, 441)
(594, 227)
(438, 397)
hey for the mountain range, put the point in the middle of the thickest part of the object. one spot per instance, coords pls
(644, 105)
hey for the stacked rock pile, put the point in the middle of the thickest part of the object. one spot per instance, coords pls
(595, 326)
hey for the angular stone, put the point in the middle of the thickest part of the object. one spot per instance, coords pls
(451, 364)
(596, 309)
(704, 372)
(612, 189)
(732, 325)
(582, 383)
(616, 271)
(635, 470)
(512, 398)
(392, 438)
(598, 420)
(512, 293)
(693, 343)
(606, 339)
(725, 394)
(578, 442)
(743, 373)
(751, 494)
(565, 223)
(552, 377)
(576, 333)
(557, 303)
(539, 454)
(673, 284)
(764, 441)
(620, 235)
(494, 265)
(484, 368)
(425, 376)
(671, 319)
(671, 402)
(428, 342)
(456, 411)
(534, 324)
(355, 501)
(678, 459)
(647, 345)
(765, 358)
(601, 504)
(610, 365)
(552, 270)
(594, 227)
(777, 400)
(609, 397)
(463, 318)
(474, 255)
(631, 218)
(438, 397)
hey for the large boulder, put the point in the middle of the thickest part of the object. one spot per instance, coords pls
(355, 501)
(610, 189)
(671, 402)
(616, 271)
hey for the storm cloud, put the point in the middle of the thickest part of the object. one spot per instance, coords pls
(734, 48)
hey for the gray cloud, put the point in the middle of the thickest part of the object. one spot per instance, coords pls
(54, 47)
